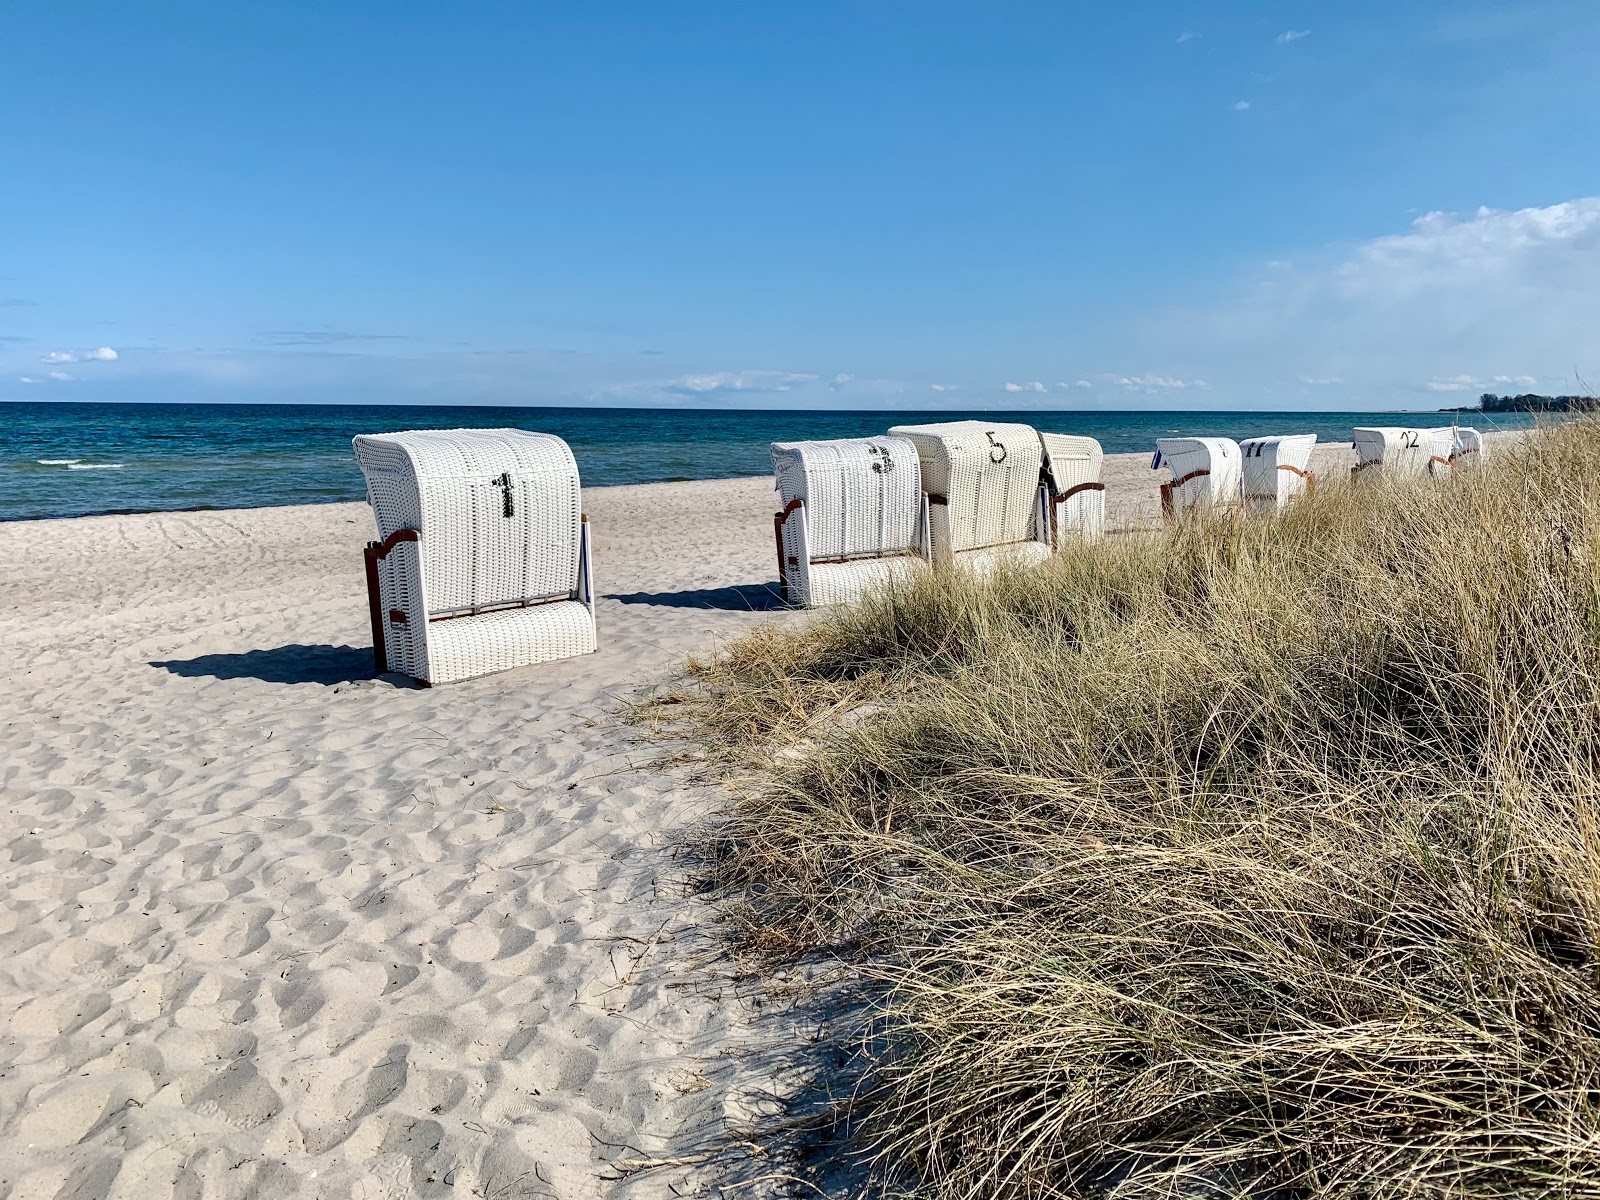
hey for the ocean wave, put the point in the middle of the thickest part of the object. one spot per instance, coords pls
(57, 462)
(94, 466)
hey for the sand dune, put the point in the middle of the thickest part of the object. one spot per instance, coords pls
(273, 927)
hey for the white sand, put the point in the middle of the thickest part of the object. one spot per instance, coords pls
(273, 927)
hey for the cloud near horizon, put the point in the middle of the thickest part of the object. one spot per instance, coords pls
(103, 354)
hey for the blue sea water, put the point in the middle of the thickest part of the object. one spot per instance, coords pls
(66, 460)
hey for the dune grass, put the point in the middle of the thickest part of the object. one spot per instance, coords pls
(1256, 857)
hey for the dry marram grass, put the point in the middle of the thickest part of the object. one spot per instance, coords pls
(1259, 856)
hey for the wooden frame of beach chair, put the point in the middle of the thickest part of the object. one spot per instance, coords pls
(853, 517)
(1074, 496)
(1275, 470)
(484, 560)
(986, 502)
(1206, 473)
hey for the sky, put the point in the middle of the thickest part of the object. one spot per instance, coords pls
(1180, 204)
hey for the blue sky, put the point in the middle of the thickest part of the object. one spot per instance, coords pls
(1163, 204)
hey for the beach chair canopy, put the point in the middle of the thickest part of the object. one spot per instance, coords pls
(1470, 447)
(982, 479)
(848, 506)
(1274, 470)
(1206, 472)
(1392, 450)
(476, 523)
(1072, 467)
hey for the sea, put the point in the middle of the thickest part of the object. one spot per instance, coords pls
(71, 460)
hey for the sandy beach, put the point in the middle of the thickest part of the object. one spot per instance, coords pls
(274, 927)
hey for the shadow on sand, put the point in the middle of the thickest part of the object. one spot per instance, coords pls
(326, 665)
(744, 597)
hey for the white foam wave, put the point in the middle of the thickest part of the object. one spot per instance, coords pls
(57, 462)
(94, 466)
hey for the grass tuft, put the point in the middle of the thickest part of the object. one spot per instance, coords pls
(1259, 856)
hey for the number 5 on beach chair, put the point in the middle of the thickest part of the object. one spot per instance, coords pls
(985, 501)
(483, 562)
(853, 517)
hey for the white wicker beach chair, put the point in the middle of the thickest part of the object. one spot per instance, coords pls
(852, 517)
(1276, 469)
(1469, 449)
(483, 562)
(1393, 451)
(1205, 473)
(1076, 497)
(982, 481)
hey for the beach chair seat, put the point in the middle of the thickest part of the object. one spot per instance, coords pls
(851, 517)
(1075, 495)
(1469, 447)
(1206, 473)
(984, 495)
(482, 562)
(1390, 450)
(1275, 470)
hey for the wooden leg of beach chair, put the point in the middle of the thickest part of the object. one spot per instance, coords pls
(380, 654)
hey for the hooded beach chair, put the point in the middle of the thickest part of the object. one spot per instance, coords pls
(1275, 470)
(1392, 451)
(483, 562)
(852, 517)
(1205, 472)
(982, 482)
(1469, 447)
(1075, 497)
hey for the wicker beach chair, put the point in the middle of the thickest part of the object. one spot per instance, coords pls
(1205, 473)
(1276, 470)
(985, 501)
(483, 562)
(853, 517)
(1075, 496)
(1469, 449)
(1393, 451)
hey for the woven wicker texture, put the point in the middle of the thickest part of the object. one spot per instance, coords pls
(1392, 450)
(860, 499)
(1070, 461)
(497, 514)
(988, 472)
(1266, 488)
(466, 647)
(1470, 447)
(1220, 459)
(846, 582)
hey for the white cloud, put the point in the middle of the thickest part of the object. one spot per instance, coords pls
(946, 387)
(1315, 382)
(1083, 383)
(26, 379)
(839, 380)
(1240, 105)
(103, 354)
(737, 381)
(1291, 35)
(1187, 37)
(59, 376)
(1034, 386)
(1453, 300)
(1154, 383)
(1524, 380)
